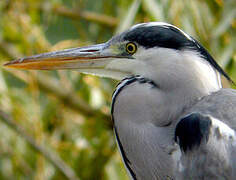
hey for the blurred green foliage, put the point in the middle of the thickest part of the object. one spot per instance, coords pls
(56, 125)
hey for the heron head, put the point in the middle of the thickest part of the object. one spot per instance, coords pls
(142, 50)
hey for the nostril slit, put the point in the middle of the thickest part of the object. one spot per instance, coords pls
(92, 50)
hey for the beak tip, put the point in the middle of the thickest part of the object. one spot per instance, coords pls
(7, 63)
(11, 64)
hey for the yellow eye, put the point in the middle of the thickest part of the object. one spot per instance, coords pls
(131, 48)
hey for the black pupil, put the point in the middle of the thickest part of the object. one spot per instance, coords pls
(130, 48)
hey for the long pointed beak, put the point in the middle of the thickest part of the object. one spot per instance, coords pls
(94, 56)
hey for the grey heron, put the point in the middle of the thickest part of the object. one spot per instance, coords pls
(172, 118)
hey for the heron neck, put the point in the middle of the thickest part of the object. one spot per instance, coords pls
(187, 75)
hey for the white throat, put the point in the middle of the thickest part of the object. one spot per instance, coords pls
(207, 74)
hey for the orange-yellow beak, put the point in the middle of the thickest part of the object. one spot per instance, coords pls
(90, 57)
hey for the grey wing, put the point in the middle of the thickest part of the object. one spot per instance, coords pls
(220, 105)
(207, 139)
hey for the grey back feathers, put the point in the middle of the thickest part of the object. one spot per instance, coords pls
(208, 139)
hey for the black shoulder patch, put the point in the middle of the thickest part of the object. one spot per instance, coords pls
(192, 130)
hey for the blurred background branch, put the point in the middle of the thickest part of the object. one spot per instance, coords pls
(78, 15)
(50, 156)
(68, 98)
